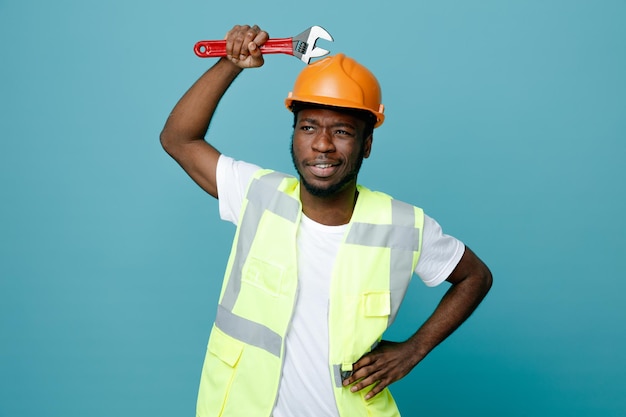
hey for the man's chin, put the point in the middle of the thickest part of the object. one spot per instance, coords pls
(317, 190)
(324, 190)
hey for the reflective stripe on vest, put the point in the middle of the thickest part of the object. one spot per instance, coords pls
(402, 237)
(262, 195)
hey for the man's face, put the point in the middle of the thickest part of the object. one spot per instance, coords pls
(327, 150)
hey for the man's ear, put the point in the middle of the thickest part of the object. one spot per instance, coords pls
(367, 145)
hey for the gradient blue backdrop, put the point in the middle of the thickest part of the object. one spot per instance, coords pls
(506, 121)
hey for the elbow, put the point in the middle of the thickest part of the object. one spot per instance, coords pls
(165, 140)
(169, 143)
(487, 280)
(483, 281)
(478, 285)
(483, 278)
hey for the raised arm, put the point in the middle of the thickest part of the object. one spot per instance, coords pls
(389, 362)
(185, 129)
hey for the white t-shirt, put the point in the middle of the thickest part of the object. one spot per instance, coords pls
(306, 383)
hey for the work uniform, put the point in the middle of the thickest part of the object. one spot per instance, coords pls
(270, 374)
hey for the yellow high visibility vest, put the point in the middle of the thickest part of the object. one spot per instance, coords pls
(374, 266)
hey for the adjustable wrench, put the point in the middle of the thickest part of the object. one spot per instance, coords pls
(301, 46)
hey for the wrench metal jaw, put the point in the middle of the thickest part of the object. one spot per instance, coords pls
(304, 44)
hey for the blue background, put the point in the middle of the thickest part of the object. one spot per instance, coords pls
(505, 120)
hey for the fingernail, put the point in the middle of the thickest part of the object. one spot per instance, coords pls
(353, 389)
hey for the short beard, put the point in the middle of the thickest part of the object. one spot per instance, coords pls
(334, 188)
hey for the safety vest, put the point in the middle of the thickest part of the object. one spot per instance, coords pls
(373, 268)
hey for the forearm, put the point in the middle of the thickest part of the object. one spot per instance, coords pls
(455, 307)
(185, 129)
(190, 118)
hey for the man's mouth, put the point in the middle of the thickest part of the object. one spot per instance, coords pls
(323, 169)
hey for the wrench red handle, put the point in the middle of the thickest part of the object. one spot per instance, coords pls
(214, 49)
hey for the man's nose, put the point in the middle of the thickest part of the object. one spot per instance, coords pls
(323, 142)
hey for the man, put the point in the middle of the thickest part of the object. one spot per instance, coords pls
(320, 264)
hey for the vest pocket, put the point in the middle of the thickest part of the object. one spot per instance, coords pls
(225, 347)
(263, 275)
(376, 303)
(220, 367)
(365, 319)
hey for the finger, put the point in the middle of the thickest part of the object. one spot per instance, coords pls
(376, 390)
(362, 377)
(372, 378)
(256, 56)
(238, 40)
(357, 375)
(246, 40)
(234, 40)
(359, 370)
(261, 36)
(365, 360)
(230, 40)
(255, 46)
